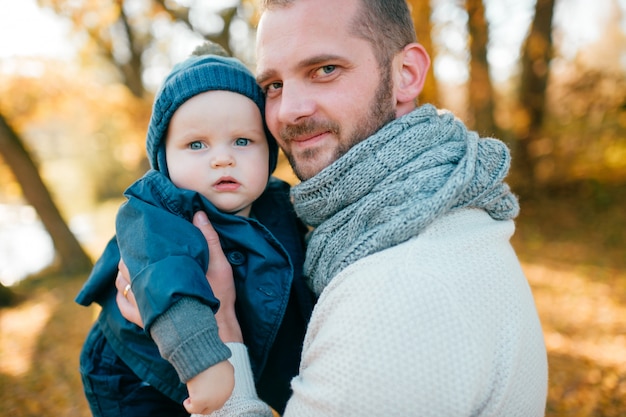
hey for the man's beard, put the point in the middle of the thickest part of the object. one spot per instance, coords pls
(381, 111)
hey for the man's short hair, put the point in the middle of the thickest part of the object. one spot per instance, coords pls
(386, 24)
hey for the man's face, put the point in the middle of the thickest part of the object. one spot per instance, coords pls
(325, 90)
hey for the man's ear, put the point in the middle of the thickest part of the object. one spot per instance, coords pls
(413, 66)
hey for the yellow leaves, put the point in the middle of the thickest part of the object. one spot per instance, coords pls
(19, 329)
(40, 342)
(615, 155)
(575, 262)
(79, 128)
(584, 326)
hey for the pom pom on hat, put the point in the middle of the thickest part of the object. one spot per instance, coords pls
(209, 68)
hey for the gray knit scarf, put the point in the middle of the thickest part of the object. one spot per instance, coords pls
(390, 187)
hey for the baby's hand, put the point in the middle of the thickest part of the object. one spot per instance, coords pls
(210, 389)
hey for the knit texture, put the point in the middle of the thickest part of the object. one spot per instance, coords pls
(441, 325)
(188, 350)
(195, 75)
(390, 187)
(243, 401)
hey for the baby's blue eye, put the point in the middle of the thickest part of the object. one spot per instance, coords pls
(196, 145)
(242, 142)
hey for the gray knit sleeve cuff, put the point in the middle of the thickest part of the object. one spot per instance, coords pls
(187, 337)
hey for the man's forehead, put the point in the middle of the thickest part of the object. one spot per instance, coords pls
(308, 22)
(307, 14)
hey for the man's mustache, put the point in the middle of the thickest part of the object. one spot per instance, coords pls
(309, 127)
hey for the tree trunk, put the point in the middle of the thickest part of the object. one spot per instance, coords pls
(7, 296)
(421, 11)
(536, 57)
(480, 88)
(72, 256)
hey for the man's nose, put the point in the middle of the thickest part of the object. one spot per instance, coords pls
(296, 102)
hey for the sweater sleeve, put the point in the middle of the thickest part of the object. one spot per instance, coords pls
(187, 337)
(244, 401)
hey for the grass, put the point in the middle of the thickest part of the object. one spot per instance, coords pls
(572, 247)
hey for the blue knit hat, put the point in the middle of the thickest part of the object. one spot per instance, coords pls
(196, 75)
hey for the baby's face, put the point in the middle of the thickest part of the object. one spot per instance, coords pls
(216, 145)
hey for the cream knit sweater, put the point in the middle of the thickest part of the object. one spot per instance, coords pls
(441, 325)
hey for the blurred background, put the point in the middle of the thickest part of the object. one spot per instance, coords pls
(77, 78)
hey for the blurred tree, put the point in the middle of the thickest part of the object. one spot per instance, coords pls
(7, 296)
(585, 132)
(480, 87)
(86, 133)
(536, 58)
(421, 12)
(72, 256)
(122, 32)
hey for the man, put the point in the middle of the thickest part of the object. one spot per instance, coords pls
(424, 309)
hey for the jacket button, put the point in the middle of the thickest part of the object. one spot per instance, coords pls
(236, 258)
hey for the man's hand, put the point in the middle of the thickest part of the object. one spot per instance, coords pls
(210, 389)
(125, 298)
(220, 277)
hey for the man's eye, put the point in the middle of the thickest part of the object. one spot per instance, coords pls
(242, 142)
(196, 145)
(271, 87)
(326, 69)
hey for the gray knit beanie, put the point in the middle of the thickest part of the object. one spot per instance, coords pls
(204, 71)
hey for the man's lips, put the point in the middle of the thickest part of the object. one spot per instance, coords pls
(226, 184)
(309, 139)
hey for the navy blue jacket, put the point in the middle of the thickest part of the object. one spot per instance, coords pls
(167, 257)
